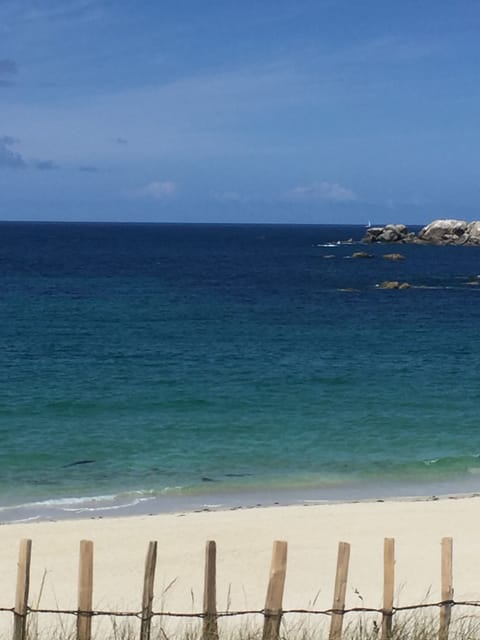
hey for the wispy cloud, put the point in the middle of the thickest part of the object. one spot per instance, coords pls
(45, 165)
(387, 49)
(9, 158)
(200, 115)
(8, 66)
(8, 69)
(12, 159)
(228, 196)
(323, 191)
(157, 190)
(58, 10)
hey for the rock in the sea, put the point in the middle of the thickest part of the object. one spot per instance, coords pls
(438, 232)
(393, 284)
(451, 232)
(393, 256)
(473, 232)
(388, 233)
(445, 232)
(361, 254)
(372, 234)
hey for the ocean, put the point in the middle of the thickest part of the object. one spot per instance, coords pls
(157, 367)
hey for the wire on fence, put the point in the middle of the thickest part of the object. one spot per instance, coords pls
(262, 612)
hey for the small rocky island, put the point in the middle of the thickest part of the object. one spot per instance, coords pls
(438, 232)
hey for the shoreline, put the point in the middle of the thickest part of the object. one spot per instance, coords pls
(244, 540)
(144, 503)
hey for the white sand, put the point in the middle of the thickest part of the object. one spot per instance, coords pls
(244, 543)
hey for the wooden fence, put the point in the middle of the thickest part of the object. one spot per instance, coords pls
(272, 612)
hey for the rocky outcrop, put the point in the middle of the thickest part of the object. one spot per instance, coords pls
(438, 232)
(393, 256)
(394, 284)
(389, 233)
(451, 232)
(361, 255)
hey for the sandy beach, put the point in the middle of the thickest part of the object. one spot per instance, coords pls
(244, 542)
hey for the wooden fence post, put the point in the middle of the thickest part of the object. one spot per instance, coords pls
(85, 591)
(210, 625)
(21, 596)
(148, 586)
(339, 591)
(388, 586)
(276, 585)
(447, 587)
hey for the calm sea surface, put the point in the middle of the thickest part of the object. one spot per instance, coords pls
(162, 366)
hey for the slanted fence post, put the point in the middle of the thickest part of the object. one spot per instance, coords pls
(447, 587)
(340, 590)
(388, 586)
(276, 586)
(210, 624)
(148, 586)
(21, 596)
(85, 591)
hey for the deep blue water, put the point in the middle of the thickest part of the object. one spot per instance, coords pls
(205, 360)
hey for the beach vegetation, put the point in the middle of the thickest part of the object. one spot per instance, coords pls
(411, 626)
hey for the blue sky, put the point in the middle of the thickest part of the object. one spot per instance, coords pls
(323, 111)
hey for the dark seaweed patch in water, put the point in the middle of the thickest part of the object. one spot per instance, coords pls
(238, 475)
(77, 463)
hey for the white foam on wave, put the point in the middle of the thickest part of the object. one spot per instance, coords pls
(474, 471)
(75, 503)
(166, 490)
(112, 507)
(58, 502)
(30, 519)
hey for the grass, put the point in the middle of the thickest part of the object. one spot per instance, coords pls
(412, 626)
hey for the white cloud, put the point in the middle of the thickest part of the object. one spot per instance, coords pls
(158, 190)
(386, 48)
(227, 196)
(329, 191)
(72, 11)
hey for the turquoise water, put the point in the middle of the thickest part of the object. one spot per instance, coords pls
(170, 365)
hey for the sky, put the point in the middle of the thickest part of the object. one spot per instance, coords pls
(298, 111)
